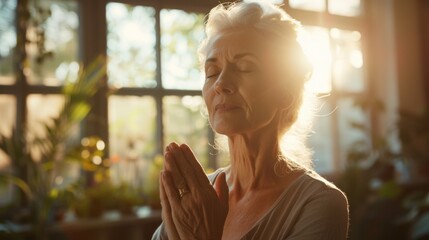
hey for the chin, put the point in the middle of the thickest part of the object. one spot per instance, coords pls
(228, 128)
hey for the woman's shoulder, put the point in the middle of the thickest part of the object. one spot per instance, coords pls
(316, 190)
(312, 186)
(323, 209)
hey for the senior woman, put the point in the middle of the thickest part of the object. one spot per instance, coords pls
(254, 88)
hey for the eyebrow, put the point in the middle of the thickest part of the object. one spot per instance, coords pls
(238, 56)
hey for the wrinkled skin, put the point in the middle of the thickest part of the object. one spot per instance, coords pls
(201, 212)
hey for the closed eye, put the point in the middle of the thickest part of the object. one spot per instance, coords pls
(212, 71)
(211, 76)
(246, 66)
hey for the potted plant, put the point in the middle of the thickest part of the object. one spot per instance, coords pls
(34, 174)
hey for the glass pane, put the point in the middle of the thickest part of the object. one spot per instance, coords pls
(131, 45)
(61, 39)
(7, 113)
(353, 125)
(181, 33)
(8, 40)
(348, 60)
(40, 110)
(132, 138)
(321, 141)
(312, 5)
(184, 123)
(315, 42)
(132, 127)
(345, 7)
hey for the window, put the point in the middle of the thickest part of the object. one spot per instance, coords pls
(154, 74)
(333, 41)
(34, 96)
(153, 84)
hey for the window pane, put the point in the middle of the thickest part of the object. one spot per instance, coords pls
(131, 45)
(132, 138)
(345, 7)
(321, 141)
(7, 112)
(61, 38)
(40, 110)
(348, 61)
(351, 115)
(181, 33)
(315, 42)
(8, 41)
(184, 123)
(132, 127)
(312, 5)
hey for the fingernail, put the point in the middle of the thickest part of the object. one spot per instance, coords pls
(174, 144)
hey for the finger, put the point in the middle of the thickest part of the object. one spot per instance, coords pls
(193, 162)
(170, 190)
(187, 171)
(171, 166)
(222, 190)
(166, 213)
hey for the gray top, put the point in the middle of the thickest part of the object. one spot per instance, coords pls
(310, 208)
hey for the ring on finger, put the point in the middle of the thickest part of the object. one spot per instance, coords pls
(182, 191)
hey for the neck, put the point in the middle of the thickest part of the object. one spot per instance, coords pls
(253, 156)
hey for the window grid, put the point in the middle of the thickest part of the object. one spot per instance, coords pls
(329, 21)
(20, 89)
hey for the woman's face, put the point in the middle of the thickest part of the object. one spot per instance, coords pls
(242, 89)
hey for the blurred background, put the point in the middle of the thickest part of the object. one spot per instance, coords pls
(92, 91)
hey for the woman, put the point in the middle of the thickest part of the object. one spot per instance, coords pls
(255, 74)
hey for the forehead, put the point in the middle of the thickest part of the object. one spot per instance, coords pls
(233, 42)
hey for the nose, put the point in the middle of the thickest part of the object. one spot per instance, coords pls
(224, 84)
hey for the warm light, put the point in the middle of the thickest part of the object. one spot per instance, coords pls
(84, 142)
(356, 59)
(85, 154)
(100, 145)
(97, 160)
(59, 180)
(315, 43)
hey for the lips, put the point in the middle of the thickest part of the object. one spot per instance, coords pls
(226, 107)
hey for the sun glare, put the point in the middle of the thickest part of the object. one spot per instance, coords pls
(315, 43)
(336, 52)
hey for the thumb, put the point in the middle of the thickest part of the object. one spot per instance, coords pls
(222, 190)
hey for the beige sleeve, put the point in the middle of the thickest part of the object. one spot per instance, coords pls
(324, 217)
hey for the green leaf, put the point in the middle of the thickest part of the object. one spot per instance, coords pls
(18, 182)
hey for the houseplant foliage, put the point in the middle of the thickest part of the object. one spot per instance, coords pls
(387, 185)
(34, 159)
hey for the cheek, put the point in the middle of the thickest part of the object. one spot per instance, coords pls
(208, 95)
(262, 102)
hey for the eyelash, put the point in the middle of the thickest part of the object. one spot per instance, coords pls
(242, 71)
(213, 75)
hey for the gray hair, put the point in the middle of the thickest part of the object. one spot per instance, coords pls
(281, 29)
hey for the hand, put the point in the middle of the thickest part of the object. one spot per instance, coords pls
(199, 212)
